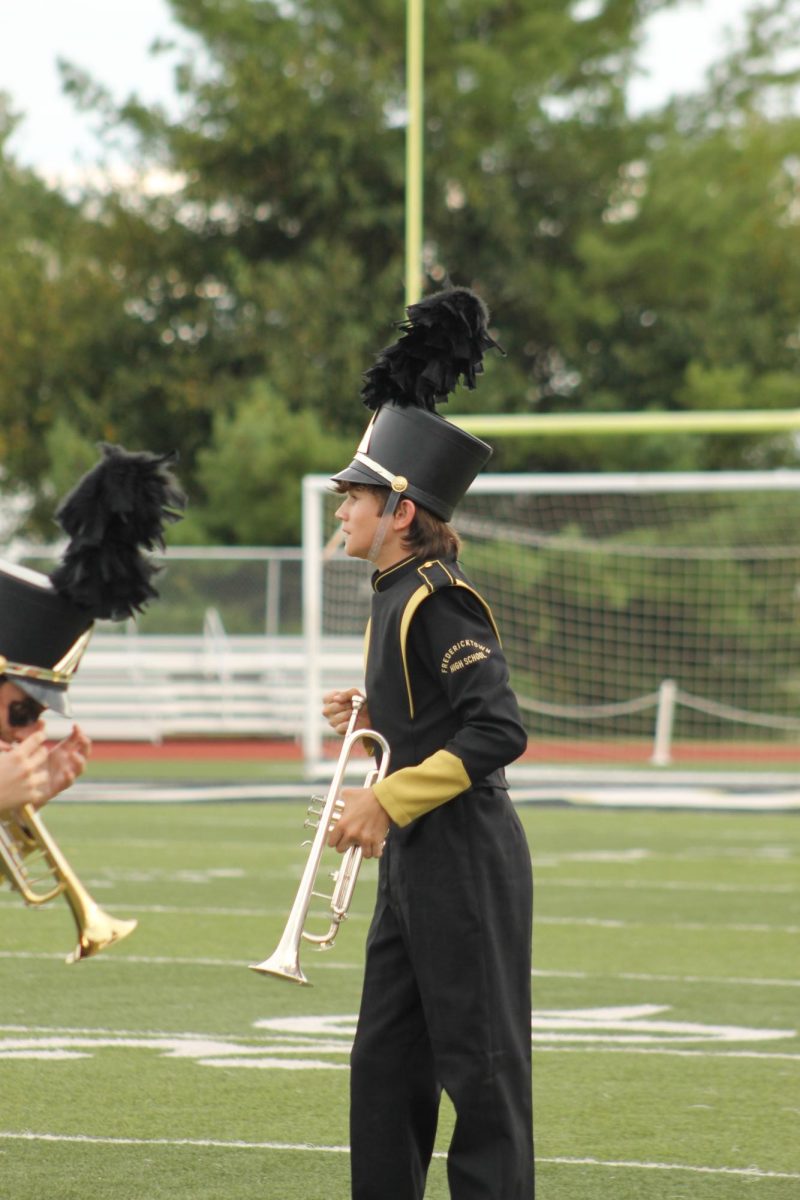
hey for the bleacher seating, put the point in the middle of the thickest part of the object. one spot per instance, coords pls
(147, 688)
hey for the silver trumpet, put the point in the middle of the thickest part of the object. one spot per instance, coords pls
(284, 962)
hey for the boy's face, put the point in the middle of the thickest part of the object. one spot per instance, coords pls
(360, 513)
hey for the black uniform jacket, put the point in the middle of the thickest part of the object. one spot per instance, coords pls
(437, 688)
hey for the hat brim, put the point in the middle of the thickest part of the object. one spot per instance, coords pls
(356, 473)
(49, 694)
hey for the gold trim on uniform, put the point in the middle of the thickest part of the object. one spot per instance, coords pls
(413, 791)
(413, 603)
(68, 665)
(60, 672)
(398, 483)
(378, 580)
(24, 671)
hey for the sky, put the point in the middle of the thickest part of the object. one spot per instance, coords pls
(111, 39)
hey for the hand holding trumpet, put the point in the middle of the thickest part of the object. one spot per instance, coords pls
(337, 708)
(67, 760)
(352, 821)
(359, 820)
(24, 777)
(32, 774)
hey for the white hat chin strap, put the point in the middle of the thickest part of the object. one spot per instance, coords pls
(383, 526)
(398, 485)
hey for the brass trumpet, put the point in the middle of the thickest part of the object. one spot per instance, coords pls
(24, 836)
(284, 962)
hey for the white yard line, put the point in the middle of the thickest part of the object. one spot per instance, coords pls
(675, 885)
(623, 1030)
(740, 1172)
(539, 1048)
(593, 922)
(123, 959)
(306, 1148)
(692, 926)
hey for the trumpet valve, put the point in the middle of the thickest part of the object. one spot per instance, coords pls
(315, 810)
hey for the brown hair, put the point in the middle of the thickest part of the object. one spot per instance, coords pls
(427, 536)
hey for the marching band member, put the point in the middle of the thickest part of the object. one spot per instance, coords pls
(446, 1000)
(115, 512)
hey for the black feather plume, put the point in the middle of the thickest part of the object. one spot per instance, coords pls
(443, 343)
(112, 516)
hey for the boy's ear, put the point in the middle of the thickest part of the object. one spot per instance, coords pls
(405, 513)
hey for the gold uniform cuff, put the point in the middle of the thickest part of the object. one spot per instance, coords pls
(412, 791)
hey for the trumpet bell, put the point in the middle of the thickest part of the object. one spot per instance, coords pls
(96, 930)
(24, 838)
(290, 969)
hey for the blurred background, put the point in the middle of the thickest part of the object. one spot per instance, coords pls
(202, 242)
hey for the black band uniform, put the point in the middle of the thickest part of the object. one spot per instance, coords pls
(446, 1000)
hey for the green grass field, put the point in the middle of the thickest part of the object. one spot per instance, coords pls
(667, 1009)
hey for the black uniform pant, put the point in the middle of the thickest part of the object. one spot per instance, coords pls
(446, 1005)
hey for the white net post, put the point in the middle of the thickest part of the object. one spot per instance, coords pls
(336, 594)
(665, 719)
(313, 516)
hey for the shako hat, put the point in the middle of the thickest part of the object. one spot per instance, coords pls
(114, 514)
(407, 446)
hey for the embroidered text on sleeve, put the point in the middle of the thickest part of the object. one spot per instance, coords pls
(455, 660)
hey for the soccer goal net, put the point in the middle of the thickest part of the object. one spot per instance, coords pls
(645, 618)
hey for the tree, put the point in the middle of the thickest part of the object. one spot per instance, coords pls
(632, 262)
(288, 219)
(78, 364)
(48, 284)
(252, 470)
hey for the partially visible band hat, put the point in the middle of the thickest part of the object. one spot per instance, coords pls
(115, 513)
(407, 446)
(42, 635)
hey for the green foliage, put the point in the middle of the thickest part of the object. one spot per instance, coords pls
(252, 470)
(631, 262)
(692, 283)
(70, 455)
